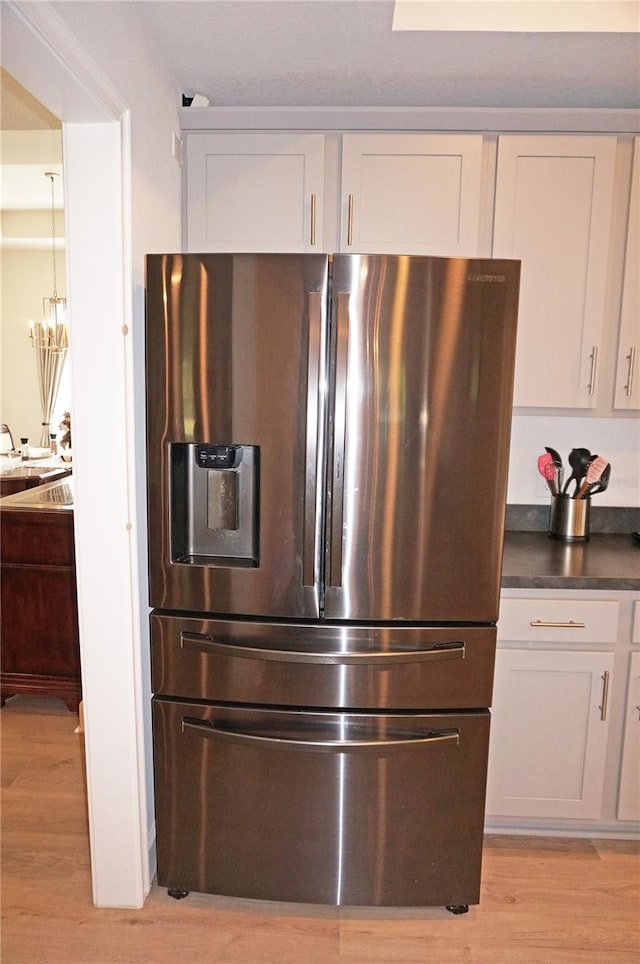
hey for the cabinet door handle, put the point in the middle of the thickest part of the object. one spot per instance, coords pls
(605, 695)
(350, 222)
(569, 624)
(594, 369)
(313, 219)
(632, 363)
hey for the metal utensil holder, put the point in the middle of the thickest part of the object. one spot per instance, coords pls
(569, 518)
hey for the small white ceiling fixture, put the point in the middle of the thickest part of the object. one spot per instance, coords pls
(523, 16)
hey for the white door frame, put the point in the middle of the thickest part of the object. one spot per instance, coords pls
(45, 57)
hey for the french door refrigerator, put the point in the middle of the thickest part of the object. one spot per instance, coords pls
(327, 456)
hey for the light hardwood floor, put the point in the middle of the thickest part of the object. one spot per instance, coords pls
(543, 899)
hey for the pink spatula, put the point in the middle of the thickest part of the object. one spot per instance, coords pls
(594, 474)
(547, 468)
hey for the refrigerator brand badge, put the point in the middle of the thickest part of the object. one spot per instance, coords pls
(499, 278)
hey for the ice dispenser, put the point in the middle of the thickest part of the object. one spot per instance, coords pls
(214, 504)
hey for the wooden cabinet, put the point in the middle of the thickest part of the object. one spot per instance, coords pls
(629, 798)
(627, 385)
(39, 622)
(254, 192)
(549, 733)
(411, 194)
(553, 209)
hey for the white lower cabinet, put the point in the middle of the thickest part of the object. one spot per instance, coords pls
(564, 754)
(549, 733)
(629, 799)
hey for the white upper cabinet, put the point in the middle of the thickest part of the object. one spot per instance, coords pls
(553, 211)
(254, 192)
(627, 389)
(411, 194)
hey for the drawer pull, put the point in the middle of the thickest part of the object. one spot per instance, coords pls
(568, 624)
(207, 644)
(605, 695)
(205, 728)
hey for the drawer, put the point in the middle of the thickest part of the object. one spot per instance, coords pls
(287, 664)
(635, 633)
(328, 808)
(559, 620)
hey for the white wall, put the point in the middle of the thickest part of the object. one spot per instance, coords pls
(617, 439)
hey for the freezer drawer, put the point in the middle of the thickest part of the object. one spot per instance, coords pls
(330, 808)
(358, 667)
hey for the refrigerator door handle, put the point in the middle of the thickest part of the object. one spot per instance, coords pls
(202, 642)
(309, 550)
(204, 728)
(339, 435)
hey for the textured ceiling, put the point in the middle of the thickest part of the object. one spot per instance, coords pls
(335, 53)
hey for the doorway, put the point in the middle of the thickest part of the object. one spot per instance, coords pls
(96, 151)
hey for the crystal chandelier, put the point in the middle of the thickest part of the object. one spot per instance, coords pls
(49, 337)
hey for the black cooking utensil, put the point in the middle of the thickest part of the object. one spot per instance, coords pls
(579, 461)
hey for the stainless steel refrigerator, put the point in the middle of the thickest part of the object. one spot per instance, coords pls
(327, 457)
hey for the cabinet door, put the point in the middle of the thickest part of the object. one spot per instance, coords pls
(254, 192)
(553, 211)
(411, 194)
(629, 798)
(548, 733)
(627, 391)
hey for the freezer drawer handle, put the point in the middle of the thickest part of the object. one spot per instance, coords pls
(204, 643)
(206, 728)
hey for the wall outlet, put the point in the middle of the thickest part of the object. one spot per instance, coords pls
(542, 489)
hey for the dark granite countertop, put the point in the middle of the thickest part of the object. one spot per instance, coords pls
(534, 561)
